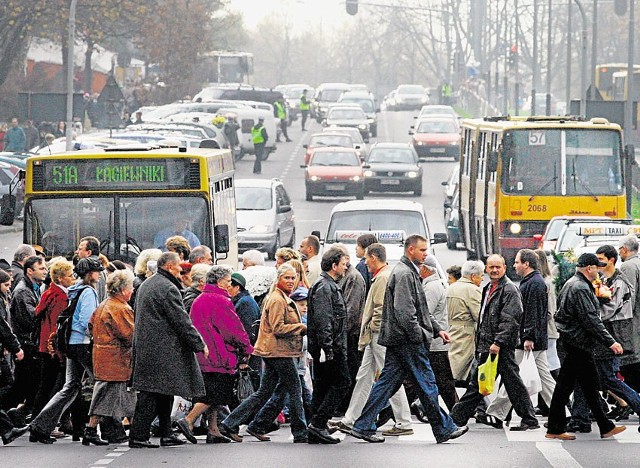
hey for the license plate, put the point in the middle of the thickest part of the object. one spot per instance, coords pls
(437, 150)
(335, 187)
(390, 182)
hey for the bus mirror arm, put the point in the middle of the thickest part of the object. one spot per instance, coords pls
(8, 201)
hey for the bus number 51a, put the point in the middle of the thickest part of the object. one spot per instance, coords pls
(65, 175)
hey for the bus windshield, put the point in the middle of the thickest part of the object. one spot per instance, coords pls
(130, 224)
(562, 162)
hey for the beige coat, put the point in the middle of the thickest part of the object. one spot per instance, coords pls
(372, 314)
(281, 328)
(463, 308)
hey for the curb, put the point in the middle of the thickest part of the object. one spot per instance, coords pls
(16, 227)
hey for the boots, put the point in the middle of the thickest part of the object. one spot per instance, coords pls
(91, 437)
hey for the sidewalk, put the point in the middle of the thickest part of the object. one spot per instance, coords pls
(16, 227)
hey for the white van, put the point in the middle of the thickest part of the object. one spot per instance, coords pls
(247, 117)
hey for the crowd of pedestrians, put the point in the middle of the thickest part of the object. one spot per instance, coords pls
(95, 348)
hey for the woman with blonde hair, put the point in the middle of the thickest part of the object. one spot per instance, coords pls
(141, 270)
(302, 276)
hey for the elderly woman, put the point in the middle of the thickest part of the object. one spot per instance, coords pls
(215, 318)
(198, 279)
(141, 270)
(279, 342)
(112, 329)
(284, 254)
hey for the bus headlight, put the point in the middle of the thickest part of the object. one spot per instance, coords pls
(368, 173)
(314, 178)
(412, 174)
(355, 178)
(515, 228)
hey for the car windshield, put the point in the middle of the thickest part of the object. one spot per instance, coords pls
(253, 198)
(352, 132)
(437, 111)
(376, 220)
(346, 114)
(335, 159)
(555, 228)
(410, 89)
(439, 126)
(331, 140)
(392, 156)
(331, 95)
(563, 162)
(144, 223)
(366, 104)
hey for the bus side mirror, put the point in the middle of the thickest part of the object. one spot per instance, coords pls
(7, 210)
(492, 163)
(221, 238)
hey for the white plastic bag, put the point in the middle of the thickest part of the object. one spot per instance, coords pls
(529, 374)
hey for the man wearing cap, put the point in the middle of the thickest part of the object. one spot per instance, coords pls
(578, 321)
(259, 137)
(79, 350)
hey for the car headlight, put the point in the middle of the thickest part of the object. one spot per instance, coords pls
(362, 127)
(412, 174)
(419, 143)
(259, 229)
(368, 173)
(355, 178)
(454, 143)
(370, 120)
(314, 178)
(515, 228)
(423, 99)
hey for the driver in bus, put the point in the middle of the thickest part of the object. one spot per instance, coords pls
(179, 228)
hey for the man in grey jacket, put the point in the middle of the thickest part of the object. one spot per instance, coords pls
(407, 330)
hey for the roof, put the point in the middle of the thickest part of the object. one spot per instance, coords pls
(390, 144)
(378, 204)
(266, 183)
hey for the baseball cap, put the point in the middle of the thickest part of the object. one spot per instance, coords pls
(87, 265)
(238, 280)
(300, 294)
(589, 259)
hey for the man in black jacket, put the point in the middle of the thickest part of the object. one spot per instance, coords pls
(497, 333)
(327, 335)
(407, 329)
(8, 341)
(533, 334)
(578, 321)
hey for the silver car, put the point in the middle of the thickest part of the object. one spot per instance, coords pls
(265, 216)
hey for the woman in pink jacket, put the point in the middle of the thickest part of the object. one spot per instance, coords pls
(215, 318)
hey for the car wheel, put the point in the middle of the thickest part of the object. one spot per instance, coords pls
(418, 191)
(272, 255)
(309, 196)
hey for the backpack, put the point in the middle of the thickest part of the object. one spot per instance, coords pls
(64, 322)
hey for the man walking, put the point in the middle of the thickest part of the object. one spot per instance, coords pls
(630, 361)
(407, 329)
(580, 327)
(21, 254)
(305, 106)
(259, 137)
(281, 114)
(533, 333)
(498, 334)
(159, 373)
(327, 335)
(373, 358)
(310, 246)
(15, 139)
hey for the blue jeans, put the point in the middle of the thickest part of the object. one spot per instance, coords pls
(401, 361)
(277, 370)
(278, 401)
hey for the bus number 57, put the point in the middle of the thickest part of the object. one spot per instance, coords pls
(537, 138)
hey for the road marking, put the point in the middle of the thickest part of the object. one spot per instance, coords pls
(556, 455)
(122, 449)
(104, 461)
(294, 155)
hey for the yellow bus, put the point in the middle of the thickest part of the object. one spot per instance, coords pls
(131, 199)
(604, 77)
(619, 86)
(516, 173)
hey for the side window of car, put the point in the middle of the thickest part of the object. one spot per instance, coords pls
(281, 196)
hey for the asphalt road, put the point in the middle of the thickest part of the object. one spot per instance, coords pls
(482, 447)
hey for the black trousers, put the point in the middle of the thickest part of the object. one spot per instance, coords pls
(631, 374)
(510, 376)
(354, 359)
(305, 115)
(283, 128)
(330, 382)
(578, 366)
(444, 377)
(51, 381)
(26, 380)
(257, 166)
(148, 406)
(5, 423)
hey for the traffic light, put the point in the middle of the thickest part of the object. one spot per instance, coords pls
(352, 6)
(620, 7)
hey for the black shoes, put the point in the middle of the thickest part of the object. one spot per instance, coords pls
(320, 436)
(487, 420)
(525, 426)
(384, 417)
(171, 441)
(183, 426)
(300, 440)
(225, 431)
(91, 437)
(578, 427)
(36, 436)
(215, 439)
(418, 411)
(17, 417)
(371, 438)
(257, 435)
(13, 434)
(289, 140)
(142, 444)
(454, 435)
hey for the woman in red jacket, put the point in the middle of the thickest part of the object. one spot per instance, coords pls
(53, 302)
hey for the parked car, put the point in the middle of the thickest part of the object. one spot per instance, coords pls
(322, 140)
(348, 116)
(334, 172)
(264, 215)
(393, 167)
(436, 136)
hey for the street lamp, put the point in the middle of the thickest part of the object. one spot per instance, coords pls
(70, 56)
(583, 60)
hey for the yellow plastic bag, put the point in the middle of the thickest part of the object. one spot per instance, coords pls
(487, 373)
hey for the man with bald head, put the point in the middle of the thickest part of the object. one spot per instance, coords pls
(497, 333)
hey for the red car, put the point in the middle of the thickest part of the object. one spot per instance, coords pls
(334, 172)
(436, 136)
(323, 140)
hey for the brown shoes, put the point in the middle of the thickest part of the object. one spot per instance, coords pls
(563, 436)
(612, 432)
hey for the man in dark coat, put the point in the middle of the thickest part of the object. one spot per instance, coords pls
(498, 326)
(578, 321)
(164, 344)
(407, 329)
(8, 341)
(23, 252)
(327, 335)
